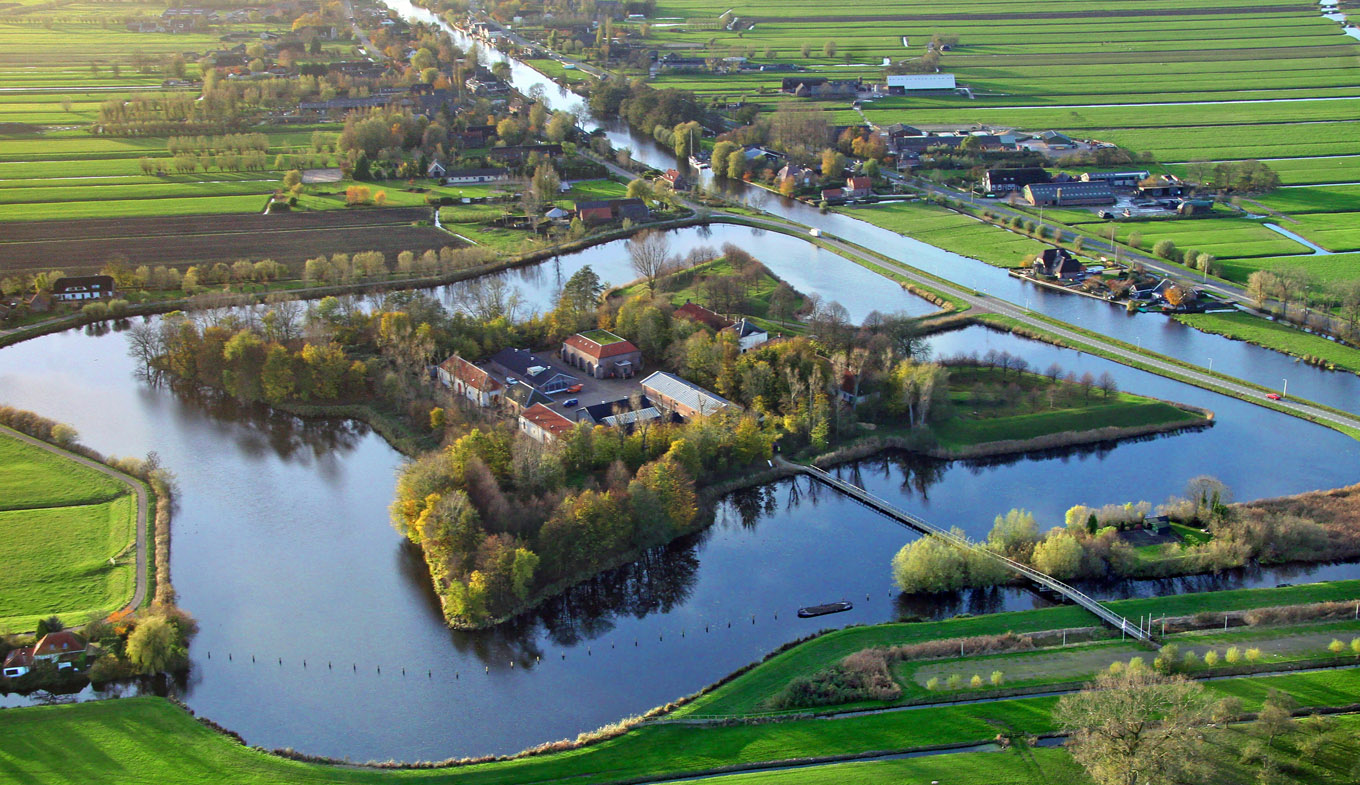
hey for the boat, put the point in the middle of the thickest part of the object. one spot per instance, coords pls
(698, 163)
(822, 610)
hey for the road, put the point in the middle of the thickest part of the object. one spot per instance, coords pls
(984, 304)
(138, 487)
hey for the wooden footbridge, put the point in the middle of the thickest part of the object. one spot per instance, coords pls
(1039, 579)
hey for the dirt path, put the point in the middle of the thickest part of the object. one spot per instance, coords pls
(138, 488)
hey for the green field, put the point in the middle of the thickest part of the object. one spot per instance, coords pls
(61, 525)
(1274, 335)
(1226, 238)
(952, 231)
(147, 739)
(1326, 267)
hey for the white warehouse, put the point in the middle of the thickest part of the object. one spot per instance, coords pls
(906, 83)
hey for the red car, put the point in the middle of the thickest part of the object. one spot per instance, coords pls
(574, 388)
(1274, 396)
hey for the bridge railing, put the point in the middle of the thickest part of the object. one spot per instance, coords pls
(1043, 579)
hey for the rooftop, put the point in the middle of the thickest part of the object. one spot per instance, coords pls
(601, 337)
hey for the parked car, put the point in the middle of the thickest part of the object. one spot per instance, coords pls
(574, 388)
(1274, 396)
(570, 402)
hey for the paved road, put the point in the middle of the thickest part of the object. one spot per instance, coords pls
(139, 593)
(986, 304)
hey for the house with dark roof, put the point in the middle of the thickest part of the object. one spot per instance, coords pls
(519, 397)
(602, 354)
(1002, 181)
(821, 87)
(697, 313)
(543, 424)
(605, 210)
(1161, 186)
(749, 336)
(670, 392)
(468, 381)
(475, 176)
(83, 287)
(799, 174)
(1116, 179)
(1070, 194)
(17, 663)
(624, 413)
(1058, 263)
(523, 366)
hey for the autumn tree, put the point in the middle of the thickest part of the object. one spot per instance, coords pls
(649, 256)
(1136, 727)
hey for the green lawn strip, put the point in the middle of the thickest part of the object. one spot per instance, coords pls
(590, 190)
(1007, 322)
(147, 739)
(1318, 199)
(1331, 268)
(1190, 535)
(1012, 767)
(56, 561)
(33, 477)
(1126, 412)
(748, 692)
(554, 69)
(1274, 335)
(204, 205)
(950, 230)
(1222, 237)
(1338, 232)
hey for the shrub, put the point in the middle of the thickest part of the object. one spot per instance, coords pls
(1253, 655)
(1166, 658)
(1210, 658)
(1355, 646)
(118, 307)
(998, 678)
(1233, 655)
(1137, 664)
(954, 682)
(975, 682)
(1336, 646)
(1190, 660)
(1116, 668)
(933, 683)
(95, 310)
(1165, 248)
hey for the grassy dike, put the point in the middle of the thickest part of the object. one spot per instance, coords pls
(151, 740)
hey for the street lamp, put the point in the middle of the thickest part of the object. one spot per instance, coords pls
(1285, 392)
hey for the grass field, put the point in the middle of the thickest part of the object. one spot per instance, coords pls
(692, 289)
(149, 740)
(1274, 335)
(951, 231)
(748, 692)
(60, 527)
(1328, 267)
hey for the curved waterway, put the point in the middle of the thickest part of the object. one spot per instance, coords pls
(1149, 331)
(283, 551)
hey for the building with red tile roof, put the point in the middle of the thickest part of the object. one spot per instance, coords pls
(697, 313)
(471, 382)
(602, 354)
(543, 424)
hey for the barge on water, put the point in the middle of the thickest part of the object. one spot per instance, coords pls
(822, 610)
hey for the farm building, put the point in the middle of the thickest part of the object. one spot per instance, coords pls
(701, 315)
(686, 399)
(821, 87)
(543, 424)
(606, 210)
(623, 413)
(602, 354)
(524, 367)
(1058, 263)
(749, 336)
(1115, 179)
(1160, 186)
(84, 287)
(469, 381)
(519, 397)
(1071, 194)
(1002, 181)
(899, 84)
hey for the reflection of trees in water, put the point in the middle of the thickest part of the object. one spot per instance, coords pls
(286, 436)
(752, 504)
(943, 605)
(656, 583)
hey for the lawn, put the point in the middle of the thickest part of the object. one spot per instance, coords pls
(60, 523)
(1274, 335)
(952, 231)
(1225, 238)
(689, 286)
(56, 560)
(33, 477)
(1333, 268)
(1334, 231)
(1039, 407)
(147, 739)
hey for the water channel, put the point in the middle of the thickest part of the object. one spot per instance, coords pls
(319, 631)
(1149, 331)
